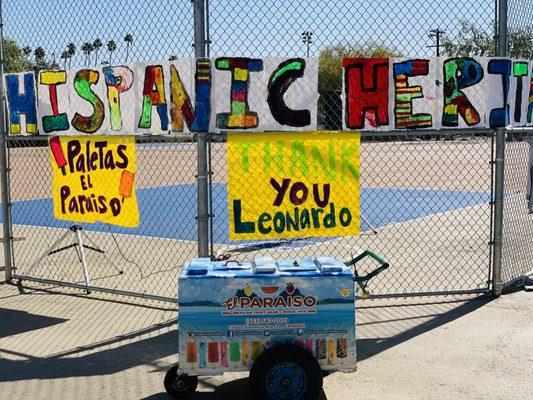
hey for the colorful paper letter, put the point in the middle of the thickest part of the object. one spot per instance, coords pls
(530, 100)
(240, 116)
(82, 84)
(404, 95)
(118, 80)
(181, 107)
(21, 103)
(280, 81)
(460, 73)
(196, 120)
(202, 80)
(366, 82)
(499, 117)
(520, 70)
(56, 121)
(154, 95)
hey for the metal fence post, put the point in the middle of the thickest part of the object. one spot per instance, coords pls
(203, 189)
(499, 176)
(4, 167)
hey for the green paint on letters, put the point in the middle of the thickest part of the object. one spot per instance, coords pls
(520, 69)
(239, 226)
(244, 149)
(319, 163)
(238, 108)
(296, 65)
(146, 116)
(277, 158)
(223, 63)
(349, 152)
(299, 164)
(297, 219)
(52, 123)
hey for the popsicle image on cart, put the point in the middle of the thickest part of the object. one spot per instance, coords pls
(57, 152)
(126, 184)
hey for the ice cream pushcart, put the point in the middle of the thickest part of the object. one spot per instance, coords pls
(288, 322)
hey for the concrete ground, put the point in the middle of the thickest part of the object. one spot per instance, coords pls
(58, 344)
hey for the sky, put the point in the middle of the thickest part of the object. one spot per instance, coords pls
(237, 27)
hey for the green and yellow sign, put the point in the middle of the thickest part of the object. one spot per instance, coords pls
(287, 185)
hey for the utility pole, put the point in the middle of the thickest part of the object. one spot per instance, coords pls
(502, 47)
(307, 38)
(202, 139)
(436, 33)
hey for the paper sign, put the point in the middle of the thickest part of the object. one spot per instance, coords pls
(93, 179)
(293, 185)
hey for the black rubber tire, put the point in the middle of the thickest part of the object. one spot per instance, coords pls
(174, 382)
(281, 354)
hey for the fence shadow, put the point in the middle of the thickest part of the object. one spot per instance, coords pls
(237, 389)
(432, 314)
(15, 322)
(406, 321)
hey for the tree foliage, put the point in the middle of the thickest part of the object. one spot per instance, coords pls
(330, 62)
(330, 77)
(15, 60)
(473, 41)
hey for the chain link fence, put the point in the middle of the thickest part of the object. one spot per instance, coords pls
(426, 202)
(149, 255)
(517, 251)
(425, 207)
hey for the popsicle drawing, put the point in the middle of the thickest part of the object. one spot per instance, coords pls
(57, 152)
(126, 184)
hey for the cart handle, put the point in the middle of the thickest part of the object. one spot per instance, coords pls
(383, 265)
(232, 261)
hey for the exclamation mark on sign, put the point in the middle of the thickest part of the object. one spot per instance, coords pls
(57, 152)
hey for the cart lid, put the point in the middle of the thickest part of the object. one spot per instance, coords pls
(263, 267)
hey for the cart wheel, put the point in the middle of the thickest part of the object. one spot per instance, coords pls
(286, 372)
(179, 386)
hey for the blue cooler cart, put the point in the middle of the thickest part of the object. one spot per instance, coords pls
(288, 322)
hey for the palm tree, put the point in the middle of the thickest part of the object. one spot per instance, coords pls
(39, 54)
(27, 51)
(87, 48)
(129, 40)
(111, 47)
(71, 49)
(97, 44)
(65, 56)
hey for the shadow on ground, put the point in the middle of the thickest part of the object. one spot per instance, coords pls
(17, 321)
(237, 389)
(381, 325)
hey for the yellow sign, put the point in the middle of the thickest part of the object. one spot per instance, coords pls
(94, 179)
(286, 185)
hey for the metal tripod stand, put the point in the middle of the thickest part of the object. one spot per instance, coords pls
(78, 244)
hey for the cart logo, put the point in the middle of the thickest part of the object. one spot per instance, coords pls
(290, 288)
(290, 297)
(345, 292)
